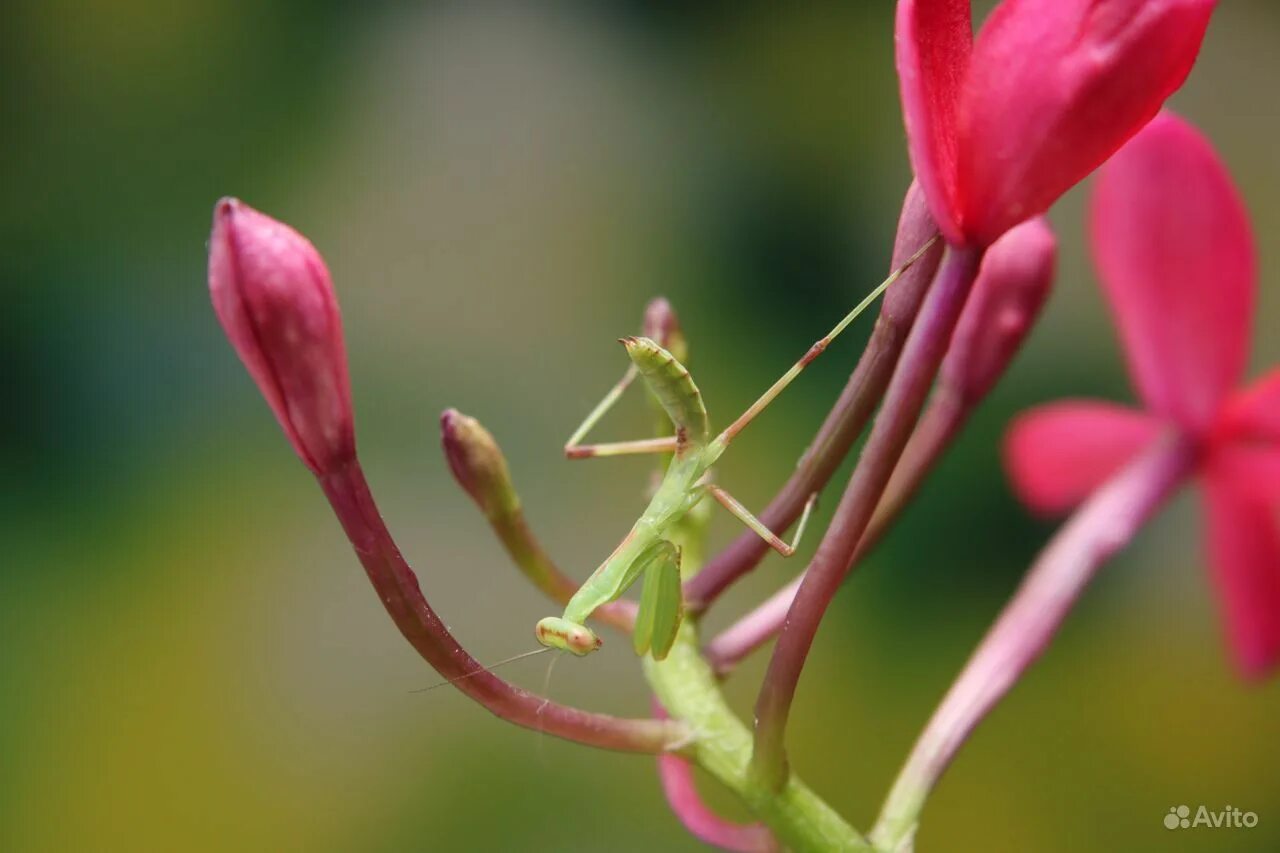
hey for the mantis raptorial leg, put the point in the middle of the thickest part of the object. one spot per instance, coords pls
(645, 550)
(661, 607)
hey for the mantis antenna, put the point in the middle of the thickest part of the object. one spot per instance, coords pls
(483, 669)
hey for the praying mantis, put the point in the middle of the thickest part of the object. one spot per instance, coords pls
(645, 551)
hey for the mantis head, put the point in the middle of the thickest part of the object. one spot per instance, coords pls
(558, 633)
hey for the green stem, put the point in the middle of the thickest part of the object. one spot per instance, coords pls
(686, 685)
(688, 689)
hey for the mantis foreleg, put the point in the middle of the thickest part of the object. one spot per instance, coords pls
(607, 584)
(661, 605)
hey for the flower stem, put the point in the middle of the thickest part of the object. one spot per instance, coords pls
(687, 688)
(939, 425)
(846, 420)
(479, 466)
(1101, 527)
(922, 355)
(398, 590)
(531, 558)
(676, 774)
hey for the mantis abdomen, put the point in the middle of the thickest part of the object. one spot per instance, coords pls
(670, 382)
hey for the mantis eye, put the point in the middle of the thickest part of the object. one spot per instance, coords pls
(582, 640)
(563, 634)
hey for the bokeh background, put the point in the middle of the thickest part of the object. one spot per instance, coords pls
(190, 657)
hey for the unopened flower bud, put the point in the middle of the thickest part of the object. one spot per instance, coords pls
(478, 465)
(1013, 283)
(275, 300)
(480, 468)
(663, 326)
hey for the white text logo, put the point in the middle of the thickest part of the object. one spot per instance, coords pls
(1182, 817)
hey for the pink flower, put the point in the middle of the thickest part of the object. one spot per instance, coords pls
(1176, 256)
(272, 294)
(1000, 127)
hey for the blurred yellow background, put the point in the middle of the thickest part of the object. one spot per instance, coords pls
(191, 657)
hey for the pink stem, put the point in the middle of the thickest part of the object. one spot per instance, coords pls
(1100, 528)
(727, 649)
(938, 427)
(398, 589)
(904, 399)
(676, 775)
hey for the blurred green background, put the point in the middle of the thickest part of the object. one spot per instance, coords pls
(191, 657)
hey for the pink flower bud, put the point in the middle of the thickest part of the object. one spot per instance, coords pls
(663, 326)
(274, 298)
(1013, 283)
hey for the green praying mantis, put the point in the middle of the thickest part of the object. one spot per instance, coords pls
(645, 551)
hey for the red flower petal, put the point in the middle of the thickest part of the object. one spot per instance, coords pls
(1244, 551)
(932, 41)
(1055, 87)
(1056, 455)
(1253, 415)
(1252, 468)
(1176, 255)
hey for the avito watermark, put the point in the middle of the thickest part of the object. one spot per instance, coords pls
(1230, 817)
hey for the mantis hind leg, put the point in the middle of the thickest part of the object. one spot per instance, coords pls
(757, 526)
(661, 604)
(817, 349)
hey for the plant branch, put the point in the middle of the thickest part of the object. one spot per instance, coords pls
(676, 774)
(846, 420)
(939, 425)
(479, 466)
(398, 590)
(687, 687)
(1013, 283)
(1024, 629)
(905, 397)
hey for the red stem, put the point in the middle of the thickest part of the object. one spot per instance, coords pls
(904, 399)
(938, 427)
(398, 590)
(850, 414)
